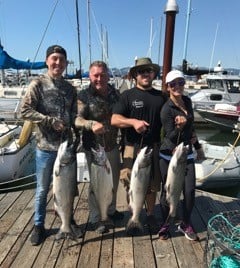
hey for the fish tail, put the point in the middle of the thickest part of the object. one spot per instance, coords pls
(134, 227)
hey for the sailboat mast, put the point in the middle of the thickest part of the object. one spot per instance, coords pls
(151, 38)
(89, 31)
(78, 35)
(160, 39)
(187, 30)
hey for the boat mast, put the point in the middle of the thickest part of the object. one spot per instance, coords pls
(78, 35)
(151, 38)
(160, 40)
(187, 30)
(89, 32)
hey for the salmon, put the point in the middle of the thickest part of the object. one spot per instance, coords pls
(140, 178)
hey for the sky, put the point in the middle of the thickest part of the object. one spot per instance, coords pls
(132, 28)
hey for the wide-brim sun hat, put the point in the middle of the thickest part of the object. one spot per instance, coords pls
(174, 74)
(143, 63)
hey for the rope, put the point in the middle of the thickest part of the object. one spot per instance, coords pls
(223, 160)
(223, 241)
(225, 262)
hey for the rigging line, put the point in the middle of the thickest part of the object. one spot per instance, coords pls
(213, 49)
(54, 8)
(78, 35)
(99, 36)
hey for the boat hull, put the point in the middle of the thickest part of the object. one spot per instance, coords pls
(226, 119)
(17, 162)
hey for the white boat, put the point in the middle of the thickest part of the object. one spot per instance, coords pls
(223, 115)
(223, 88)
(16, 159)
(221, 167)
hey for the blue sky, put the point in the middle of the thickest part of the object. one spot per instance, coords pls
(213, 30)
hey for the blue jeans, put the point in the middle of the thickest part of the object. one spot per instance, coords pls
(44, 169)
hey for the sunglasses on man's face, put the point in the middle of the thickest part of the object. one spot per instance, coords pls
(180, 83)
(147, 70)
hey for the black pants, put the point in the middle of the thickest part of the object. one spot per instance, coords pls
(188, 190)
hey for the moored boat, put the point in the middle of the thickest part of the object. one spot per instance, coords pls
(16, 158)
(224, 115)
(221, 167)
(223, 88)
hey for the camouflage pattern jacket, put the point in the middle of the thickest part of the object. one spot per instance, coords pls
(94, 107)
(45, 101)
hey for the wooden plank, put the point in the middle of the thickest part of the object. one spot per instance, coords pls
(163, 249)
(185, 254)
(27, 249)
(68, 256)
(106, 254)
(123, 245)
(113, 249)
(17, 234)
(14, 222)
(7, 201)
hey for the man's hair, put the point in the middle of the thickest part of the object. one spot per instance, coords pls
(99, 63)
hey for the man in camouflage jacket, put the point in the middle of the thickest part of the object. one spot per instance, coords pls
(51, 104)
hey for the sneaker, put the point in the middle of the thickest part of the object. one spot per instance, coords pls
(152, 223)
(116, 216)
(38, 235)
(164, 232)
(188, 231)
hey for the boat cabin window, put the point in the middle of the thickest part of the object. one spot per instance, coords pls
(233, 86)
(216, 97)
(215, 84)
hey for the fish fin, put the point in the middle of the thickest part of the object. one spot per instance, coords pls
(57, 170)
(134, 227)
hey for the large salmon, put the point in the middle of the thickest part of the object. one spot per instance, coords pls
(140, 177)
(175, 178)
(101, 180)
(64, 187)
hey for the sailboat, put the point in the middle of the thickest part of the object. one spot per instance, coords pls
(13, 84)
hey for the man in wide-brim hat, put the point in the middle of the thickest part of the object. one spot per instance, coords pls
(144, 64)
(138, 112)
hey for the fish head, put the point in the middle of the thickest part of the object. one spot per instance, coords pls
(99, 156)
(66, 152)
(181, 152)
(145, 156)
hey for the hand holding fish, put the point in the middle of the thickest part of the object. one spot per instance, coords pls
(200, 154)
(58, 125)
(140, 126)
(98, 128)
(180, 121)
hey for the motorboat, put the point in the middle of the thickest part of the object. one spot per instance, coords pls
(223, 88)
(221, 168)
(224, 115)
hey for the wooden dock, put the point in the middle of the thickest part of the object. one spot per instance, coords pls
(114, 249)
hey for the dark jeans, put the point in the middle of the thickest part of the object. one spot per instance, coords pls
(188, 190)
